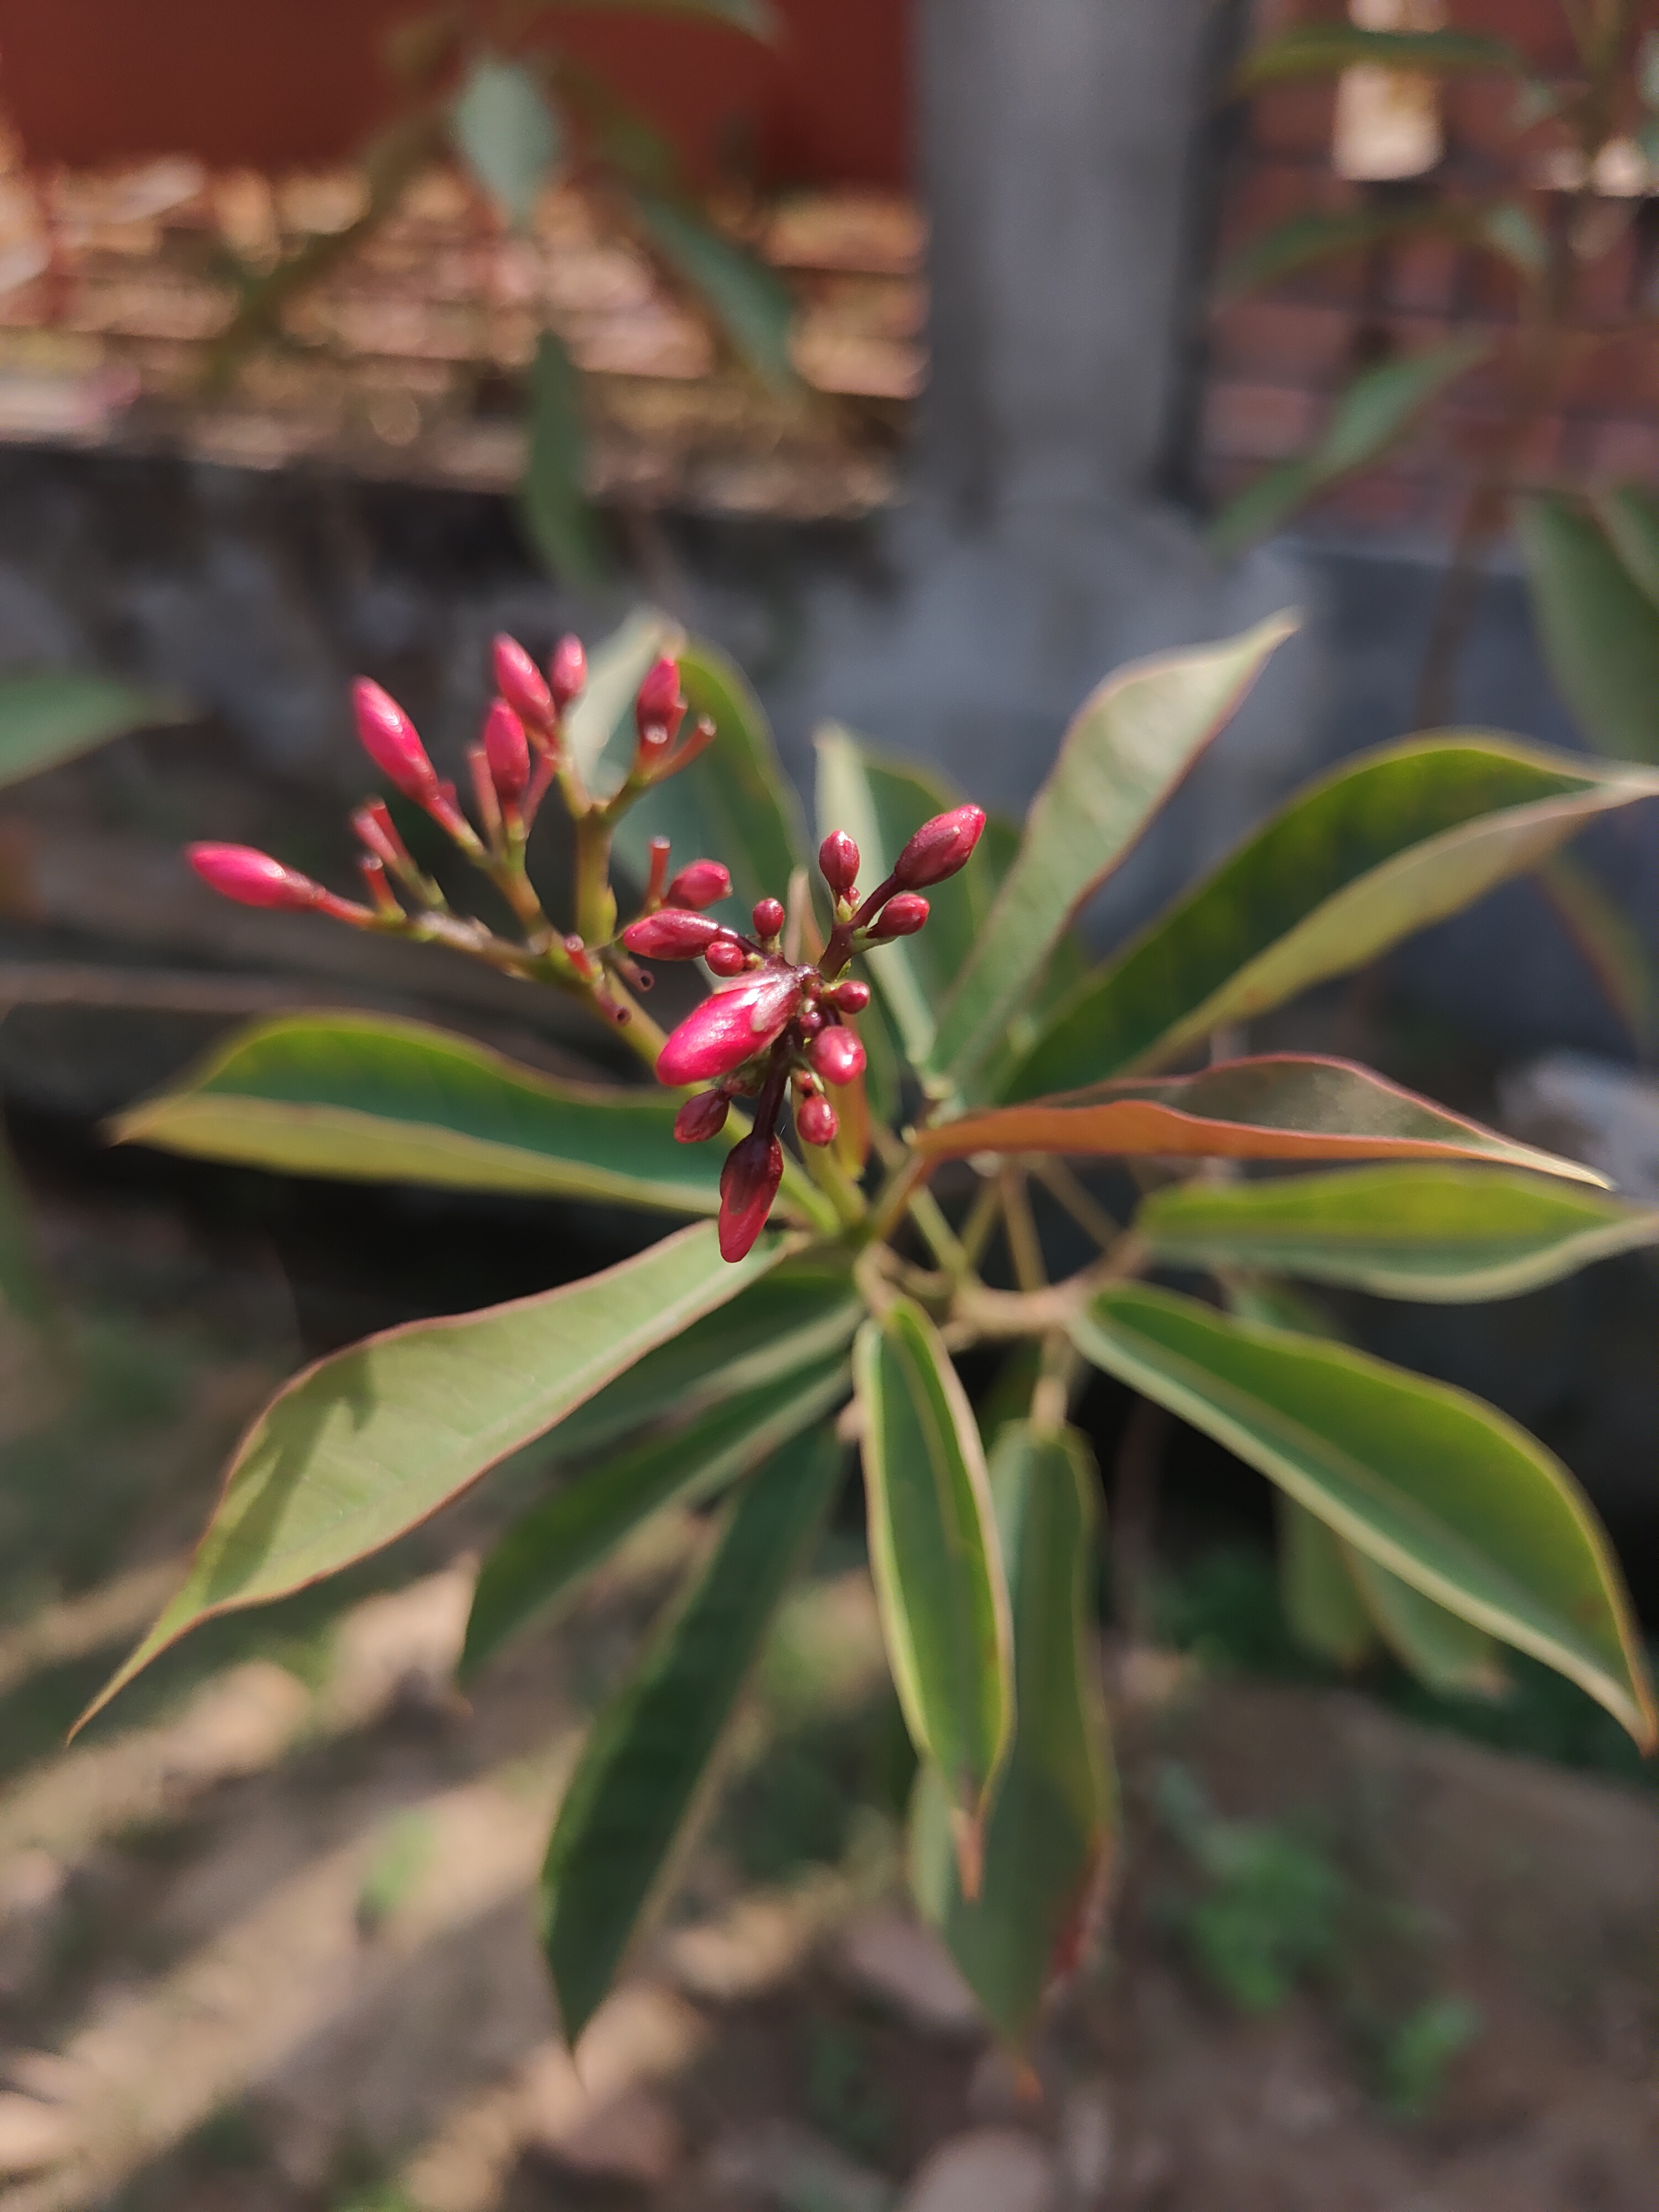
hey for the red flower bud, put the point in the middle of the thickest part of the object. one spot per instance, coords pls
(700, 885)
(726, 956)
(838, 858)
(702, 1117)
(852, 996)
(566, 672)
(730, 1027)
(658, 705)
(900, 917)
(809, 1021)
(253, 878)
(815, 1121)
(671, 934)
(837, 1055)
(389, 739)
(748, 1183)
(521, 683)
(507, 750)
(939, 848)
(375, 825)
(769, 917)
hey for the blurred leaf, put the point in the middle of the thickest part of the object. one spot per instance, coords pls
(599, 727)
(1304, 240)
(934, 1552)
(53, 716)
(25, 1287)
(1448, 1654)
(1380, 847)
(1446, 1492)
(359, 1447)
(1051, 1821)
(1128, 746)
(1600, 629)
(1377, 408)
(1630, 516)
(733, 804)
(1609, 944)
(543, 1557)
(1510, 229)
(1327, 49)
(644, 1768)
(1282, 1106)
(507, 132)
(1323, 1606)
(563, 528)
(1445, 1235)
(750, 304)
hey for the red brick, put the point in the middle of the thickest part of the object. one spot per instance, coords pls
(1603, 290)
(1293, 119)
(1285, 341)
(1618, 451)
(1423, 273)
(1259, 421)
(1620, 376)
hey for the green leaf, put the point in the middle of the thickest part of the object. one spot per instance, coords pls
(1443, 1235)
(645, 1766)
(1608, 941)
(1448, 1654)
(507, 134)
(1600, 629)
(935, 1557)
(1630, 516)
(544, 1557)
(751, 304)
(1377, 408)
(1382, 847)
(552, 495)
(1303, 241)
(1128, 746)
(880, 803)
(735, 803)
(1327, 49)
(1323, 1609)
(1444, 1492)
(1283, 1106)
(359, 1447)
(599, 727)
(53, 716)
(1051, 1821)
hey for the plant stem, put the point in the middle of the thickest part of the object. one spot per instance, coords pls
(843, 1193)
(1065, 1188)
(596, 902)
(1024, 1245)
(983, 1312)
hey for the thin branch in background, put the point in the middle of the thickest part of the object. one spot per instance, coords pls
(979, 1222)
(1024, 1245)
(1068, 1192)
(1133, 1521)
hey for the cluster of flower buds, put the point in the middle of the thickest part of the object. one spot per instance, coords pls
(781, 1027)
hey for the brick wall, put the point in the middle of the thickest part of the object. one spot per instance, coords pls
(1278, 355)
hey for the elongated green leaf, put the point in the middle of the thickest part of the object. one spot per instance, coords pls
(1608, 941)
(552, 492)
(358, 1448)
(1322, 1603)
(1282, 1106)
(934, 1552)
(1051, 1821)
(634, 1796)
(749, 302)
(50, 715)
(507, 133)
(735, 803)
(1600, 629)
(1126, 748)
(1443, 1235)
(1303, 241)
(1382, 847)
(1326, 49)
(542, 1559)
(1446, 1492)
(1376, 409)
(880, 803)
(1630, 516)
(1447, 1654)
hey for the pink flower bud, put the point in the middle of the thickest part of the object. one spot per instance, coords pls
(521, 683)
(837, 1055)
(566, 672)
(769, 917)
(508, 751)
(748, 1183)
(253, 878)
(703, 883)
(815, 1121)
(389, 739)
(726, 956)
(838, 858)
(702, 1117)
(730, 1027)
(900, 917)
(659, 705)
(939, 848)
(375, 825)
(809, 1021)
(671, 933)
(852, 996)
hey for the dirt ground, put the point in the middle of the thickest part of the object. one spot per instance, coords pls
(266, 1941)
